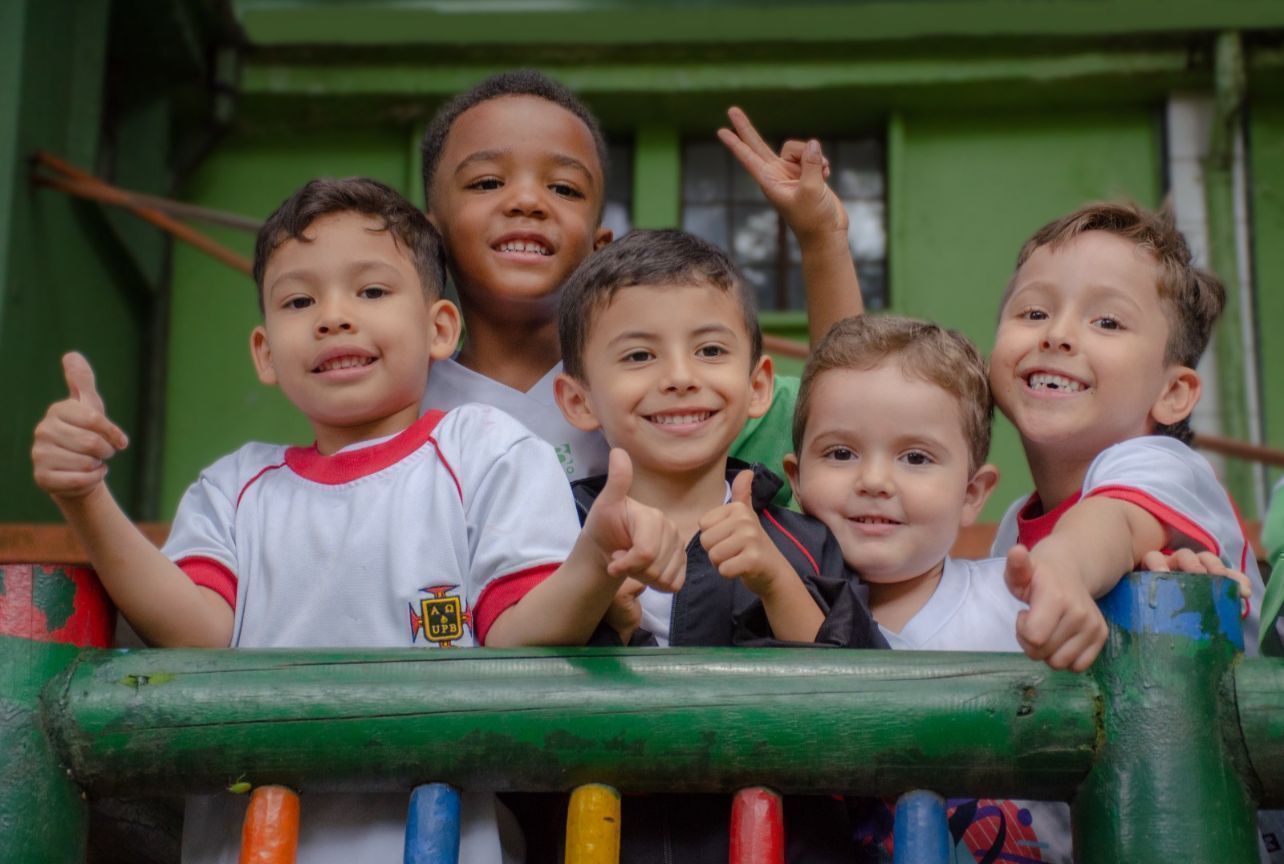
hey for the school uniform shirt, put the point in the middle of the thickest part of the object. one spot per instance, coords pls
(972, 610)
(581, 454)
(418, 540)
(1171, 482)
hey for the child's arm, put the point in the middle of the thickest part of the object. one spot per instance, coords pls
(68, 457)
(740, 549)
(621, 539)
(794, 183)
(1095, 543)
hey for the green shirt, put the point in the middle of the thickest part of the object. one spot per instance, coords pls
(768, 438)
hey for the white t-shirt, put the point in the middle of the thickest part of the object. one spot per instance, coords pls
(1174, 484)
(582, 454)
(421, 539)
(971, 610)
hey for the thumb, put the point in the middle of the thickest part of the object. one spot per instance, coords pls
(1019, 572)
(80, 380)
(630, 588)
(619, 477)
(813, 167)
(742, 489)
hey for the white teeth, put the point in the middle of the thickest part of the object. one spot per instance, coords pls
(678, 419)
(1044, 381)
(876, 520)
(525, 246)
(345, 362)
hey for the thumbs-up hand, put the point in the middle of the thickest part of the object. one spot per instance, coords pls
(75, 438)
(737, 544)
(1063, 626)
(638, 541)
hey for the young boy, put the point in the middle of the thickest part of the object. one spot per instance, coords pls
(514, 178)
(330, 545)
(663, 354)
(1099, 334)
(890, 437)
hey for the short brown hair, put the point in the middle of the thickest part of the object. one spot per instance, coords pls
(924, 350)
(317, 198)
(1192, 297)
(644, 257)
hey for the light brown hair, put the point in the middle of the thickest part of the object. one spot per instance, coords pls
(1192, 298)
(924, 350)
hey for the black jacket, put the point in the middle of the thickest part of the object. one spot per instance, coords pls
(713, 611)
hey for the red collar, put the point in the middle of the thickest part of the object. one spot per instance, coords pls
(348, 465)
(1033, 524)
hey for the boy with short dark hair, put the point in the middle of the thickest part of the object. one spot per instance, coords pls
(514, 178)
(663, 354)
(332, 545)
(1099, 333)
(890, 441)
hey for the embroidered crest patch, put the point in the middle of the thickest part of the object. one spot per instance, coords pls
(440, 617)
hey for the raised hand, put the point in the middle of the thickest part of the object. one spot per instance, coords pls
(1063, 625)
(639, 542)
(75, 438)
(793, 180)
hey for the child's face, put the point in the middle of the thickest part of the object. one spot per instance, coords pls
(347, 332)
(516, 197)
(884, 464)
(1078, 362)
(669, 377)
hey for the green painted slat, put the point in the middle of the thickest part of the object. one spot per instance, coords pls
(299, 22)
(675, 720)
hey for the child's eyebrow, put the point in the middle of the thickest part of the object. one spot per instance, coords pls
(562, 160)
(308, 275)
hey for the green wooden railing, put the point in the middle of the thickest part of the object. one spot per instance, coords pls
(1164, 749)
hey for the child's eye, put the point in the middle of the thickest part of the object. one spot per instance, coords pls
(1033, 314)
(918, 457)
(840, 454)
(640, 355)
(1108, 322)
(710, 351)
(297, 303)
(566, 190)
(486, 184)
(373, 292)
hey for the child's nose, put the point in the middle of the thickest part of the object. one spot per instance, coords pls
(526, 198)
(678, 375)
(1057, 337)
(874, 477)
(333, 317)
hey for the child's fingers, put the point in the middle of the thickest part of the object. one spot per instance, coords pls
(1155, 562)
(745, 155)
(813, 172)
(748, 134)
(69, 484)
(792, 152)
(79, 376)
(1019, 572)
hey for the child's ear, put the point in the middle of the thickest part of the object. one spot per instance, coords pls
(791, 472)
(261, 351)
(1179, 397)
(601, 237)
(444, 321)
(573, 398)
(977, 493)
(762, 383)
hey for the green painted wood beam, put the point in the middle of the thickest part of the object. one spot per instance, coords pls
(1259, 691)
(592, 22)
(356, 78)
(657, 177)
(808, 720)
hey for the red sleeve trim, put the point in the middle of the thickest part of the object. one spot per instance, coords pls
(1165, 514)
(504, 592)
(253, 480)
(792, 539)
(211, 574)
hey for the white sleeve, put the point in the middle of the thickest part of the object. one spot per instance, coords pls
(203, 526)
(1005, 536)
(518, 506)
(1175, 485)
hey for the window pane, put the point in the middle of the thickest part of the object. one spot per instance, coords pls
(618, 212)
(856, 169)
(763, 282)
(709, 222)
(704, 173)
(754, 236)
(866, 231)
(873, 283)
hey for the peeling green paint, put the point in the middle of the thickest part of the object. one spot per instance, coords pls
(54, 594)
